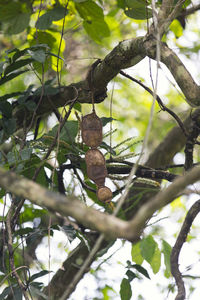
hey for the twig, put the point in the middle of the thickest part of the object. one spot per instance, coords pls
(194, 131)
(11, 252)
(62, 33)
(56, 136)
(192, 213)
(80, 273)
(162, 106)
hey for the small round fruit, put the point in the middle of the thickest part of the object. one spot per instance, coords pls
(104, 194)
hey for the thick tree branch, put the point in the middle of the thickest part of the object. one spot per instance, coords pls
(192, 213)
(163, 198)
(126, 54)
(183, 78)
(111, 226)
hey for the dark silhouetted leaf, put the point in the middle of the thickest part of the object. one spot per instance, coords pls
(13, 75)
(55, 14)
(131, 275)
(136, 9)
(125, 290)
(9, 126)
(18, 23)
(39, 274)
(16, 65)
(141, 270)
(6, 109)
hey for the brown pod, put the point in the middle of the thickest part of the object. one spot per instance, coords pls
(96, 166)
(104, 194)
(91, 130)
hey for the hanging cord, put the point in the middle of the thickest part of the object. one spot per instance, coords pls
(90, 78)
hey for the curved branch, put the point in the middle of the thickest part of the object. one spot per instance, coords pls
(111, 226)
(183, 78)
(126, 54)
(192, 213)
(163, 198)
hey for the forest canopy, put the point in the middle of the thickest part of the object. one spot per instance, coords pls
(99, 149)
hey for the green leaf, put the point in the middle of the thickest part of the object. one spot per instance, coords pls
(55, 14)
(30, 167)
(39, 274)
(68, 133)
(148, 246)
(141, 270)
(30, 105)
(6, 109)
(136, 254)
(58, 13)
(11, 95)
(96, 29)
(131, 275)
(156, 260)
(177, 29)
(9, 126)
(23, 231)
(136, 9)
(80, 1)
(106, 120)
(26, 153)
(13, 75)
(44, 22)
(18, 23)
(121, 3)
(30, 213)
(89, 10)
(16, 65)
(69, 231)
(166, 250)
(38, 55)
(125, 290)
(1, 66)
(8, 11)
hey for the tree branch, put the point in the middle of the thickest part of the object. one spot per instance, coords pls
(111, 226)
(192, 213)
(173, 143)
(183, 78)
(126, 54)
(163, 198)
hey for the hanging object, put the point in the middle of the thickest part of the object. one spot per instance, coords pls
(91, 131)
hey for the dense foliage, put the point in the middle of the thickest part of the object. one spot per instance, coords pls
(61, 60)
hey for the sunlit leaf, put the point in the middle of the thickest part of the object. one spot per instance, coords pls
(156, 260)
(96, 29)
(166, 250)
(148, 246)
(136, 254)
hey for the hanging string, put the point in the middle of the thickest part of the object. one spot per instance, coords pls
(90, 78)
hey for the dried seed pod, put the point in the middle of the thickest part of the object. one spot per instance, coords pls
(96, 166)
(104, 194)
(91, 130)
